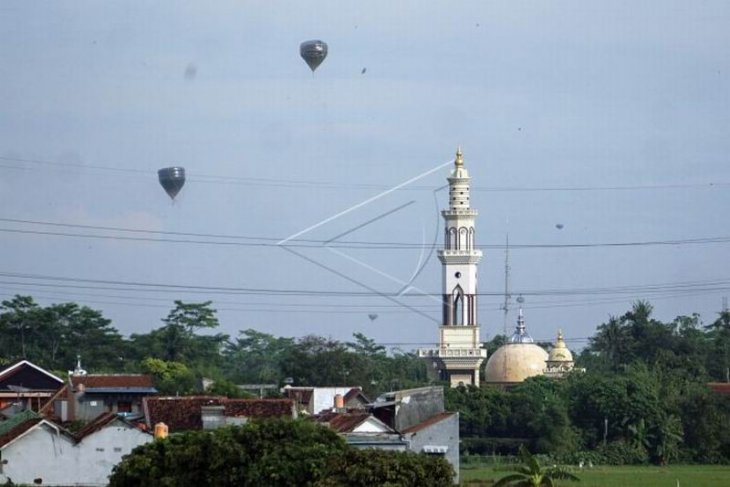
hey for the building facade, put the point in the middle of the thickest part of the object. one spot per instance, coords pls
(459, 354)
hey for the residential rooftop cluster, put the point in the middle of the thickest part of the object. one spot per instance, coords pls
(74, 431)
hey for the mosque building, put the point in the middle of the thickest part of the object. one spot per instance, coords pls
(517, 359)
(459, 355)
(560, 360)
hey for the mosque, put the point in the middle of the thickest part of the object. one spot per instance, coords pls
(459, 356)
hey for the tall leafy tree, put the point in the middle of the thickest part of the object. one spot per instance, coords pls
(19, 322)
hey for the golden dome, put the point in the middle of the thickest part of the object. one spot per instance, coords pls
(560, 351)
(515, 362)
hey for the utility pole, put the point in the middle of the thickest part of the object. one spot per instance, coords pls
(507, 292)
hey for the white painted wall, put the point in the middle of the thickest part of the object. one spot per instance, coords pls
(100, 451)
(324, 397)
(54, 458)
(40, 453)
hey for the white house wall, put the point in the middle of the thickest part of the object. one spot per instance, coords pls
(99, 452)
(444, 433)
(40, 454)
(44, 454)
(324, 397)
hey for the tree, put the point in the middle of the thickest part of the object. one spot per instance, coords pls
(170, 377)
(275, 452)
(256, 357)
(370, 467)
(178, 341)
(531, 474)
(612, 343)
(53, 336)
(18, 321)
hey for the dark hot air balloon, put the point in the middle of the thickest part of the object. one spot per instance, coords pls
(172, 180)
(373, 316)
(313, 53)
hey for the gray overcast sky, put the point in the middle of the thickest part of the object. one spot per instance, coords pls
(623, 105)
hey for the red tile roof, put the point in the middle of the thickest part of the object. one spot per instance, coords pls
(18, 430)
(428, 422)
(112, 380)
(343, 422)
(98, 423)
(353, 393)
(183, 413)
(720, 387)
(258, 408)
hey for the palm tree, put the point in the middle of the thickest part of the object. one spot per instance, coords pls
(531, 474)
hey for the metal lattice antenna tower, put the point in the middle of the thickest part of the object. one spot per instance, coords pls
(507, 291)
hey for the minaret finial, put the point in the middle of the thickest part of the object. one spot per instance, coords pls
(459, 161)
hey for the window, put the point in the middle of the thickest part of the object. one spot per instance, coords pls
(458, 318)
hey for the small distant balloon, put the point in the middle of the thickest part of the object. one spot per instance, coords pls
(172, 179)
(363, 70)
(373, 316)
(313, 53)
(191, 71)
(559, 226)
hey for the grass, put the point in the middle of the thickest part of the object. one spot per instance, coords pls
(640, 476)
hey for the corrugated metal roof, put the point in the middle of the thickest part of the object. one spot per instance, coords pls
(120, 390)
(112, 380)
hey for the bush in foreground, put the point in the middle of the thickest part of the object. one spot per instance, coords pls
(272, 453)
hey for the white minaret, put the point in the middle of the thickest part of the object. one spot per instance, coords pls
(459, 355)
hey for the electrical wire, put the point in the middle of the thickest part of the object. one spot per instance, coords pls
(289, 183)
(261, 241)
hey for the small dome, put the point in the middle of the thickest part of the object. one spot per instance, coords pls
(560, 351)
(515, 362)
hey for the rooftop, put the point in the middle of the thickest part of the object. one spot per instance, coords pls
(94, 381)
(184, 413)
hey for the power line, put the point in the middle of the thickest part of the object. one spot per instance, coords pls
(258, 181)
(710, 285)
(261, 241)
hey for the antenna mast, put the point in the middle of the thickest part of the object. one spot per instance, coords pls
(507, 292)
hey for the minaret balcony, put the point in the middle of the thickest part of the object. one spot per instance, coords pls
(459, 256)
(451, 212)
(451, 352)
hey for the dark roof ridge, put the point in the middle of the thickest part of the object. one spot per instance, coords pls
(428, 422)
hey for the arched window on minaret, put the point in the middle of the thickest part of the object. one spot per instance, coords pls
(463, 239)
(458, 307)
(453, 241)
(471, 238)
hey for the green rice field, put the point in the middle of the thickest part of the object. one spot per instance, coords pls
(640, 476)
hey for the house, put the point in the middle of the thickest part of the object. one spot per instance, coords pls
(436, 435)
(353, 422)
(188, 413)
(89, 395)
(102, 443)
(313, 400)
(26, 386)
(405, 408)
(35, 450)
(406, 420)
